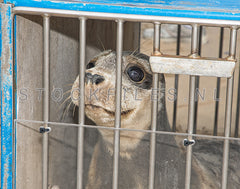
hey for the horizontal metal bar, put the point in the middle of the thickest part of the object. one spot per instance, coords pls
(126, 17)
(192, 66)
(124, 129)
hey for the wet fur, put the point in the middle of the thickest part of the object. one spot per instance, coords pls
(134, 146)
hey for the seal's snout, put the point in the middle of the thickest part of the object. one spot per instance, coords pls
(93, 79)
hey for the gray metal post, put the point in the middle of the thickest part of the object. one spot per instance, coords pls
(215, 126)
(176, 82)
(156, 50)
(81, 112)
(46, 60)
(118, 94)
(228, 111)
(194, 53)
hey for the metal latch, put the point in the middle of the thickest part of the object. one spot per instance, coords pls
(43, 129)
(187, 142)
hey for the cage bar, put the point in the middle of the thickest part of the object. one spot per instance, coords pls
(228, 111)
(118, 94)
(46, 78)
(215, 126)
(81, 112)
(21, 121)
(230, 63)
(176, 81)
(156, 50)
(197, 82)
(237, 109)
(194, 51)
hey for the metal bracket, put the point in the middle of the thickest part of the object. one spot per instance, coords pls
(43, 129)
(187, 142)
(192, 66)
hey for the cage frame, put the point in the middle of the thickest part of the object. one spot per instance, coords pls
(79, 10)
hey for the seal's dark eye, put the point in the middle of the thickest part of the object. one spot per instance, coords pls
(90, 65)
(135, 73)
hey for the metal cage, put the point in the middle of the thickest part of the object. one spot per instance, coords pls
(222, 15)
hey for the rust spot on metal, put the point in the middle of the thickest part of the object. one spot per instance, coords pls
(156, 52)
(194, 55)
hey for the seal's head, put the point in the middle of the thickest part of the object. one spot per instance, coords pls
(136, 91)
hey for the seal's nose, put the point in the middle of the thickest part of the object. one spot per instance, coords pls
(94, 79)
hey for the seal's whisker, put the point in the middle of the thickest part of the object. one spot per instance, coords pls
(137, 53)
(68, 91)
(69, 84)
(65, 101)
(61, 105)
(74, 108)
(101, 43)
(137, 49)
(68, 107)
(66, 110)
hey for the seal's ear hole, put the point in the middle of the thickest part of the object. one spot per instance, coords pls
(135, 73)
(90, 65)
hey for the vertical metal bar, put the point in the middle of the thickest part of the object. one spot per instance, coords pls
(197, 84)
(118, 94)
(194, 53)
(215, 129)
(46, 58)
(156, 49)
(237, 109)
(228, 112)
(81, 112)
(197, 81)
(176, 81)
(6, 83)
(218, 85)
(200, 40)
(227, 132)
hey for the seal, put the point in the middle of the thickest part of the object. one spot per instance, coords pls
(137, 94)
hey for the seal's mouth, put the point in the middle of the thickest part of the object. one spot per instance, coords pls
(123, 113)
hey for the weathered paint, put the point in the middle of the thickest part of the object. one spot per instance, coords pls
(6, 97)
(210, 9)
(192, 66)
(15, 106)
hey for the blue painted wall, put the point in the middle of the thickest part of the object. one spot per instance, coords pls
(6, 97)
(211, 9)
